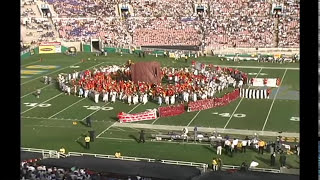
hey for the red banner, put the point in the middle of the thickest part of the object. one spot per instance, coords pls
(171, 110)
(147, 115)
(216, 102)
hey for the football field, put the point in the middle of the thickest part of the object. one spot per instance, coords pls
(47, 122)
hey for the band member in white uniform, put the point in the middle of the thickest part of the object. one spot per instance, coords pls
(96, 97)
(144, 99)
(172, 99)
(166, 99)
(160, 100)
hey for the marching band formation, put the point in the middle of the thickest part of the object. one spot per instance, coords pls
(108, 83)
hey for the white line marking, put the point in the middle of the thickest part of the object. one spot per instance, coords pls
(274, 98)
(47, 126)
(238, 104)
(118, 128)
(50, 73)
(135, 129)
(60, 119)
(115, 122)
(33, 92)
(29, 63)
(155, 120)
(134, 108)
(94, 111)
(193, 118)
(42, 102)
(66, 108)
(50, 84)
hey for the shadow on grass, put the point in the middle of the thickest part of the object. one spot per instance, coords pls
(115, 118)
(83, 123)
(264, 160)
(134, 137)
(81, 144)
(209, 148)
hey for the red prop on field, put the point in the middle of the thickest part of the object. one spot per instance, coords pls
(216, 102)
(171, 110)
(147, 115)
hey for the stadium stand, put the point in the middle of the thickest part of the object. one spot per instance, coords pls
(225, 23)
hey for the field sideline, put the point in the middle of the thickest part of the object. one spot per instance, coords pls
(47, 122)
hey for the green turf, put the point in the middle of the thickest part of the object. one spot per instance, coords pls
(51, 127)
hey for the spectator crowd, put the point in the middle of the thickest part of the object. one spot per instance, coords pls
(223, 23)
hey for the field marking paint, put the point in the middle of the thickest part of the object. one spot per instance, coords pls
(119, 129)
(50, 84)
(50, 73)
(61, 119)
(115, 122)
(29, 63)
(95, 111)
(274, 98)
(66, 108)
(193, 118)
(48, 126)
(137, 130)
(155, 120)
(42, 102)
(33, 92)
(239, 104)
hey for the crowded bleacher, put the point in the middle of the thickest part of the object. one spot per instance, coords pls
(223, 23)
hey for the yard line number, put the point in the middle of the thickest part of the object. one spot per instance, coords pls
(37, 105)
(295, 119)
(95, 108)
(238, 115)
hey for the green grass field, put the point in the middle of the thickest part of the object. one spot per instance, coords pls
(46, 122)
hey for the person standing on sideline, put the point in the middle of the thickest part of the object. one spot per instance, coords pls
(282, 160)
(244, 145)
(214, 164)
(88, 121)
(142, 137)
(195, 133)
(62, 152)
(186, 59)
(38, 92)
(273, 159)
(261, 145)
(87, 140)
(234, 144)
(227, 144)
(219, 147)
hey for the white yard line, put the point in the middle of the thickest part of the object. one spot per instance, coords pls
(239, 104)
(155, 120)
(43, 102)
(135, 129)
(134, 108)
(47, 126)
(50, 84)
(274, 98)
(60, 119)
(33, 92)
(49, 73)
(115, 122)
(29, 63)
(193, 118)
(94, 111)
(66, 108)
(119, 129)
